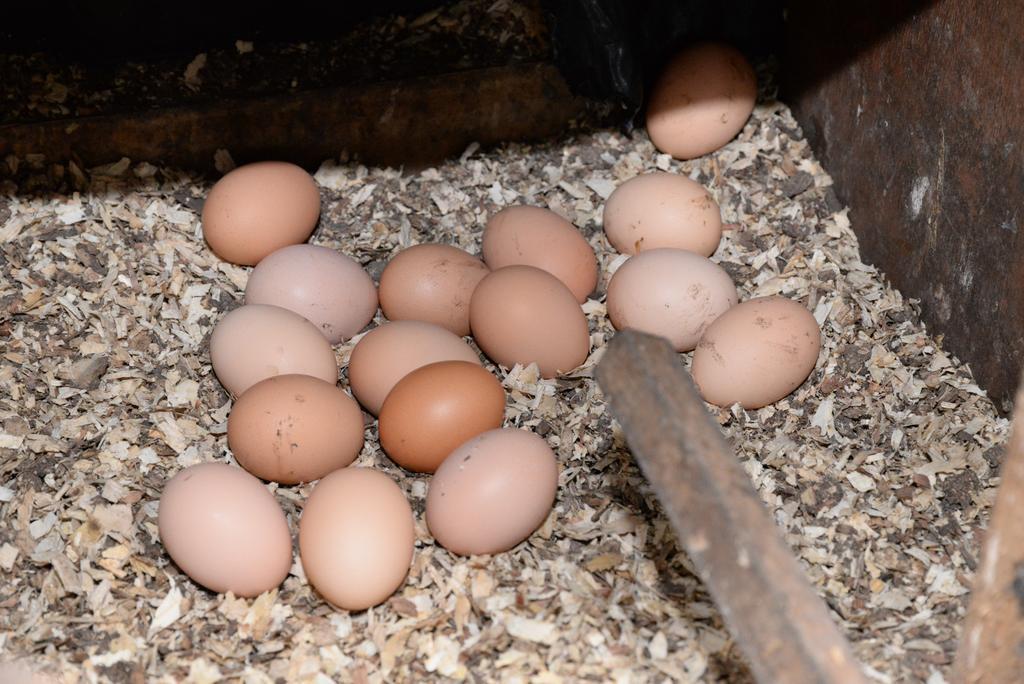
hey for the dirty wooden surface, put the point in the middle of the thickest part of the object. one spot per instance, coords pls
(914, 107)
(992, 645)
(213, 60)
(410, 122)
(778, 621)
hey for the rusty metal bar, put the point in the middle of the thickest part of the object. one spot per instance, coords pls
(992, 645)
(782, 626)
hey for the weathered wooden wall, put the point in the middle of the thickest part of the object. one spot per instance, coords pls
(917, 111)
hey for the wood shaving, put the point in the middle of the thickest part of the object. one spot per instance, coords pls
(880, 470)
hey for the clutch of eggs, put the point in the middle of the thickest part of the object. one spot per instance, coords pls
(440, 410)
(291, 423)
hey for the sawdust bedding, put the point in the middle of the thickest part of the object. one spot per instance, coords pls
(880, 469)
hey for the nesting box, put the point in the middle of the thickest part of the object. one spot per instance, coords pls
(877, 183)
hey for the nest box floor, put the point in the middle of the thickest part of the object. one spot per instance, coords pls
(880, 469)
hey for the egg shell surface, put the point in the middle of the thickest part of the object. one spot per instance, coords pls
(492, 492)
(670, 292)
(756, 353)
(259, 208)
(327, 288)
(533, 236)
(223, 528)
(258, 341)
(356, 537)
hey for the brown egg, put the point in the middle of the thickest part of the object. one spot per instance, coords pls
(702, 99)
(294, 428)
(658, 210)
(492, 492)
(387, 354)
(259, 208)
(670, 292)
(431, 283)
(436, 408)
(356, 538)
(521, 314)
(756, 353)
(327, 288)
(531, 236)
(258, 341)
(223, 528)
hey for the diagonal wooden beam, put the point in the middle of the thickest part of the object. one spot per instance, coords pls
(783, 628)
(992, 645)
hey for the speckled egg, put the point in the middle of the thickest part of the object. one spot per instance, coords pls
(656, 210)
(533, 236)
(756, 353)
(669, 292)
(431, 283)
(294, 428)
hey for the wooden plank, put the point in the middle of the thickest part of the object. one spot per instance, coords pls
(914, 107)
(403, 123)
(782, 626)
(992, 645)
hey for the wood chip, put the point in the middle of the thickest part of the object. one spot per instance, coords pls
(167, 612)
(8, 554)
(531, 630)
